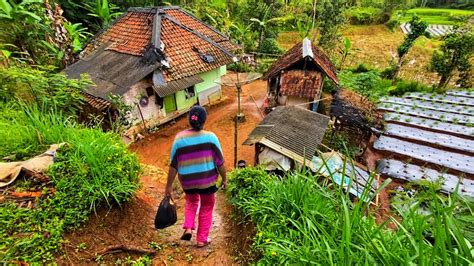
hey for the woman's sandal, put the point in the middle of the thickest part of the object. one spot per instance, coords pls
(186, 236)
(203, 244)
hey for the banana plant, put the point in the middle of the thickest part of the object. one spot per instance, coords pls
(11, 11)
(266, 21)
(345, 51)
(242, 34)
(102, 10)
(78, 35)
(304, 28)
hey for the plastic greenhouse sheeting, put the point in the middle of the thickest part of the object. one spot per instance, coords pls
(456, 161)
(438, 139)
(429, 104)
(410, 172)
(427, 113)
(430, 124)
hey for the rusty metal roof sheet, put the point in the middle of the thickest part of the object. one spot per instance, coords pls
(296, 55)
(300, 83)
(429, 134)
(293, 131)
(177, 85)
(111, 72)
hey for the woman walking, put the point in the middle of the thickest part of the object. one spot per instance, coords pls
(196, 156)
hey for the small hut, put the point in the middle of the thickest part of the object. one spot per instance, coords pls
(287, 135)
(297, 77)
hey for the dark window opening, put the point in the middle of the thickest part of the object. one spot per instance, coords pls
(159, 100)
(189, 92)
(150, 92)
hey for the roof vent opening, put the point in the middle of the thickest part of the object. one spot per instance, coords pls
(204, 57)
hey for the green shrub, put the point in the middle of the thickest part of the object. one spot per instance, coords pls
(389, 71)
(239, 67)
(93, 169)
(263, 64)
(392, 24)
(43, 87)
(408, 86)
(270, 46)
(361, 68)
(367, 16)
(300, 221)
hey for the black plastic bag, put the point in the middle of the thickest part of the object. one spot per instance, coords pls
(166, 214)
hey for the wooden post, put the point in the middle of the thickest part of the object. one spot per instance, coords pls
(143, 120)
(235, 141)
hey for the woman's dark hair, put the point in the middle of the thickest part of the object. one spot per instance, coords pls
(197, 117)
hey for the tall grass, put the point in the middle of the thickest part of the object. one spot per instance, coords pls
(299, 221)
(92, 169)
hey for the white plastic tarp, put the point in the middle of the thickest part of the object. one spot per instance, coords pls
(273, 160)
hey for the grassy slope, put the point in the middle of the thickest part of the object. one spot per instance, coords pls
(435, 15)
(375, 45)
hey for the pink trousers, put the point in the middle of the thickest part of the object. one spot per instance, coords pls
(205, 214)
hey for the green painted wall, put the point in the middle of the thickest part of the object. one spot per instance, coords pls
(182, 102)
(210, 78)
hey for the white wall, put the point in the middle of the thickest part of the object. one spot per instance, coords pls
(132, 97)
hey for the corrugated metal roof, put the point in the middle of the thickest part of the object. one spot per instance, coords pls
(429, 134)
(177, 85)
(112, 72)
(292, 131)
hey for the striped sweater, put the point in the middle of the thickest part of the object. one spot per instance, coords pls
(196, 155)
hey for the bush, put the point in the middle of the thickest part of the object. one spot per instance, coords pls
(270, 46)
(392, 24)
(389, 72)
(263, 64)
(369, 84)
(299, 221)
(93, 169)
(239, 67)
(43, 87)
(408, 86)
(361, 68)
(367, 16)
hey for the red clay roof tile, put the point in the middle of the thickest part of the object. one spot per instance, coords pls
(180, 33)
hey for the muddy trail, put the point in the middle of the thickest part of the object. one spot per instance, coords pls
(131, 225)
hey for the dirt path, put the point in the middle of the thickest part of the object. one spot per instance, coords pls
(132, 225)
(154, 149)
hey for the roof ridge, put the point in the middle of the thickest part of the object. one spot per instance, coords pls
(207, 25)
(200, 35)
(154, 10)
(151, 9)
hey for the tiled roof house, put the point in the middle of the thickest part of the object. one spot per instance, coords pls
(162, 60)
(297, 77)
